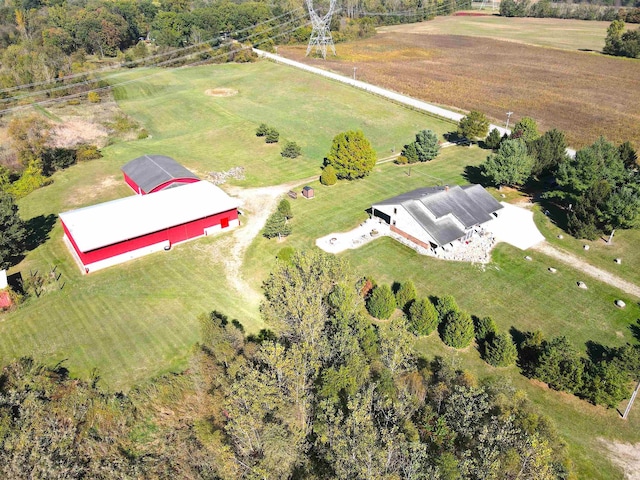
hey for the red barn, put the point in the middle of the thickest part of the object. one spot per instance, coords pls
(115, 232)
(152, 173)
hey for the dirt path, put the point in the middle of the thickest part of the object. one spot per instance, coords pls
(626, 456)
(258, 204)
(595, 272)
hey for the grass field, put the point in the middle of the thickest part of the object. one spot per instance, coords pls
(584, 94)
(509, 289)
(139, 319)
(542, 32)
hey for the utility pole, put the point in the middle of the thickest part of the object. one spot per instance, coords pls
(354, 72)
(508, 117)
(633, 397)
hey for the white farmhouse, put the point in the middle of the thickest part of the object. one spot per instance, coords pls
(435, 217)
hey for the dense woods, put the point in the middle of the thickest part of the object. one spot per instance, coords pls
(328, 396)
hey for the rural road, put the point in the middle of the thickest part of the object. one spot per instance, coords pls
(595, 272)
(383, 92)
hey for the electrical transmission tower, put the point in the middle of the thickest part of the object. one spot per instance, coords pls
(321, 34)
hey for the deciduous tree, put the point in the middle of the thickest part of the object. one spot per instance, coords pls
(328, 176)
(351, 155)
(475, 125)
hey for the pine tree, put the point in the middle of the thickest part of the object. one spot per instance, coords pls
(291, 150)
(457, 330)
(475, 125)
(427, 145)
(423, 317)
(381, 303)
(485, 328)
(272, 136)
(410, 153)
(262, 130)
(500, 351)
(276, 226)
(13, 232)
(406, 293)
(493, 139)
(444, 305)
(284, 207)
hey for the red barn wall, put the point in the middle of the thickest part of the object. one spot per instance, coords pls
(172, 181)
(176, 234)
(134, 186)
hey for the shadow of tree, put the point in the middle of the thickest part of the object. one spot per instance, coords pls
(598, 352)
(38, 229)
(635, 329)
(474, 174)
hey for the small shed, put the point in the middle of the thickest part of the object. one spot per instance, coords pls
(307, 192)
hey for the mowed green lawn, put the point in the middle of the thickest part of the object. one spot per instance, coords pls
(515, 292)
(216, 133)
(134, 321)
(543, 32)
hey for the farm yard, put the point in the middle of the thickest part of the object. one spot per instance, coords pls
(480, 63)
(139, 320)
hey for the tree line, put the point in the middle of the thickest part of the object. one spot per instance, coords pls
(602, 376)
(598, 188)
(596, 10)
(326, 394)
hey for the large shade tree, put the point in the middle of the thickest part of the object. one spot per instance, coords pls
(475, 125)
(351, 155)
(511, 165)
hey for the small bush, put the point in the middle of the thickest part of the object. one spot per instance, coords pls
(457, 330)
(401, 160)
(328, 176)
(142, 134)
(272, 136)
(381, 303)
(262, 130)
(423, 317)
(93, 97)
(291, 150)
(87, 152)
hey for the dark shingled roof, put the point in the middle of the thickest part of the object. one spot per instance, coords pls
(470, 205)
(151, 171)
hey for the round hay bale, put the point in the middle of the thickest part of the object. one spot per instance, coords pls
(582, 285)
(620, 304)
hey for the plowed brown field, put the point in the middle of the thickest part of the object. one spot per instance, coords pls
(584, 94)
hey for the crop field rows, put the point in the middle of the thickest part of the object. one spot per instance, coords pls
(584, 94)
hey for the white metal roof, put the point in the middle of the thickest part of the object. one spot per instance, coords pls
(119, 220)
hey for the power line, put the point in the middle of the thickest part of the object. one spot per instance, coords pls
(135, 62)
(158, 64)
(110, 87)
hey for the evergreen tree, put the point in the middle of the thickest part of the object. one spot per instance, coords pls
(628, 155)
(405, 294)
(381, 303)
(444, 305)
(500, 350)
(511, 165)
(328, 176)
(272, 136)
(457, 329)
(291, 150)
(560, 366)
(605, 384)
(13, 233)
(410, 153)
(262, 130)
(485, 328)
(493, 139)
(284, 207)
(549, 151)
(426, 145)
(423, 317)
(351, 155)
(276, 226)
